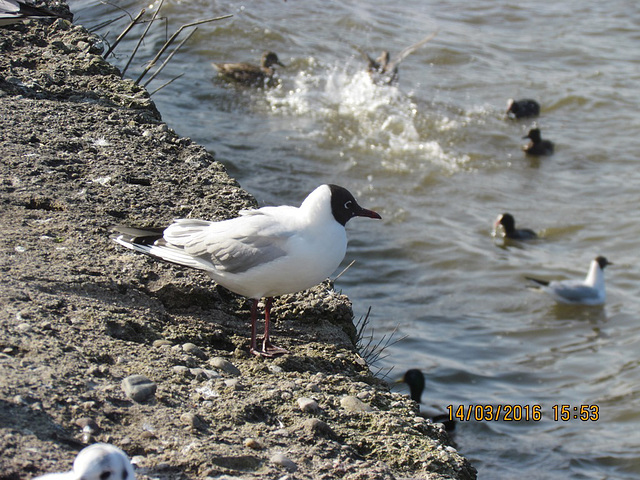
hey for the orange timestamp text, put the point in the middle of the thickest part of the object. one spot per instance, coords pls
(522, 413)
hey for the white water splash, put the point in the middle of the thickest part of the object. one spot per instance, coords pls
(362, 117)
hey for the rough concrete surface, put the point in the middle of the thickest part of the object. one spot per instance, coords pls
(83, 150)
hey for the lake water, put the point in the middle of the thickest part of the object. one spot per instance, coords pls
(437, 158)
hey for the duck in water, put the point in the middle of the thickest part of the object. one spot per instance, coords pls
(508, 224)
(537, 146)
(414, 378)
(262, 75)
(522, 108)
(384, 69)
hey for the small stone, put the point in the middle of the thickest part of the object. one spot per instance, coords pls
(308, 405)
(180, 370)
(225, 365)
(281, 460)
(275, 369)
(365, 396)
(354, 404)
(193, 421)
(139, 388)
(194, 350)
(161, 342)
(24, 327)
(253, 444)
(315, 425)
(234, 383)
(88, 425)
(210, 373)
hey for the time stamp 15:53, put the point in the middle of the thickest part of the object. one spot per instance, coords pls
(519, 413)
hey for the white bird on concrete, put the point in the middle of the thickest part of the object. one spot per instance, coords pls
(14, 11)
(262, 253)
(100, 461)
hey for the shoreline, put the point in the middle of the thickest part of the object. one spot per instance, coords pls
(84, 150)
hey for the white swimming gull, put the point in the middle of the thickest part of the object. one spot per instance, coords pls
(265, 252)
(100, 461)
(589, 291)
(14, 11)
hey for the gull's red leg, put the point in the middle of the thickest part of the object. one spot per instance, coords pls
(267, 346)
(254, 319)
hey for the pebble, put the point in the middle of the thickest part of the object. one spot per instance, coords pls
(204, 373)
(308, 405)
(234, 383)
(180, 370)
(224, 365)
(139, 388)
(194, 350)
(87, 425)
(253, 444)
(315, 425)
(281, 460)
(161, 342)
(24, 328)
(193, 421)
(354, 404)
(365, 396)
(207, 391)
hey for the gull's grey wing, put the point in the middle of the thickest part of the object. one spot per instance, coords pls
(395, 61)
(241, 254)
(234, 245)
(573, 292)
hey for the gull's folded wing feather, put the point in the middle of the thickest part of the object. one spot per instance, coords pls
(573, 292)
(232, 246)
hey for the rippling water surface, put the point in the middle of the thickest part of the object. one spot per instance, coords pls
(438, 159)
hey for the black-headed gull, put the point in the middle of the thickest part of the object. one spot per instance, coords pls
(589, 291)
(522, 108)
(536, 145)
(414, 378)
(508, 224)
(13, 11)
(262, 253)
(100, 461)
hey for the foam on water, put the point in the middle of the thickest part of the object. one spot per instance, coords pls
(363, 116)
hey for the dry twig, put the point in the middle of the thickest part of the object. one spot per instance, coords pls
(171, 40)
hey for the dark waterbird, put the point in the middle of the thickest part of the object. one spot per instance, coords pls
(262, 253)
(508, 224)
(537, 146)
(14, 11)
(414, 378)
(384, 69)
(522, 108)
(262, 75)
